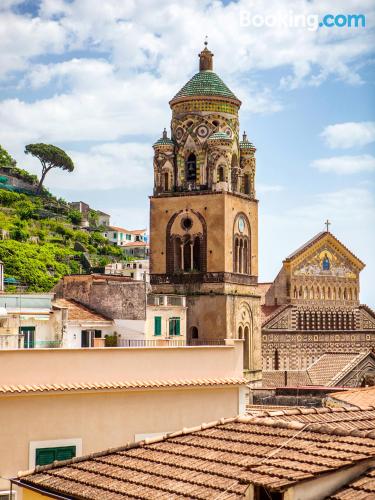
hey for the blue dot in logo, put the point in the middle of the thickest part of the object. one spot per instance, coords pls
(320, 24)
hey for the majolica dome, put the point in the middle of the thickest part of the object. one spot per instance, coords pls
(206, 83)
(164, 140)
(246, 144)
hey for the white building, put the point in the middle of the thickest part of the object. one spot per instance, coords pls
(135, 269)
(122, 237)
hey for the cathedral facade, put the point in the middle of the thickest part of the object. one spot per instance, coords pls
(204, 216)
(313, 308)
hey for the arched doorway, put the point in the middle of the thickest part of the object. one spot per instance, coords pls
(194, 334)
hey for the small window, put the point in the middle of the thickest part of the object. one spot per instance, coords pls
(191, 168)
(174, 326)
(220, 174)
(45, 456)
(157, 325)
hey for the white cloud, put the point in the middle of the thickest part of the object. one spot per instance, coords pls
(345, 165)
(350, 134)
(107, 166)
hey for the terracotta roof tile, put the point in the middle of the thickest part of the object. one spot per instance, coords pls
(331, 367)
(138, 384)
(79, 312)
(215, 460)
(360, 397)
(362, 488)
(332, 418)
(276, 378)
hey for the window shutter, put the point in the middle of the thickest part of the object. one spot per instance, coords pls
(171, 332)
(65, 453)
(44, 456)
(157, 325)
(177, 326)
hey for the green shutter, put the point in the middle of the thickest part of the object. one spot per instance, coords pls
(157, 325)
(45, 456)
(177, 326)
(171, 332)
(174, 326)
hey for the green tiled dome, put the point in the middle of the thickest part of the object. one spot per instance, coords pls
(245, 143)
(219, 136)
(205, 83)
(164, 140)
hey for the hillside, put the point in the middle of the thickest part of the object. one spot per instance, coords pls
(40, 238)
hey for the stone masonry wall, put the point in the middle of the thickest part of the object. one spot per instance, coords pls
(114, 297)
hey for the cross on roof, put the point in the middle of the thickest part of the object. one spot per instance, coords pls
(327, 223)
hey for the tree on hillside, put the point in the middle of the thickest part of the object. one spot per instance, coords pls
(50, 157)
(5, 159)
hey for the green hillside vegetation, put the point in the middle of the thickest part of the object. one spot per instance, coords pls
(40, 240)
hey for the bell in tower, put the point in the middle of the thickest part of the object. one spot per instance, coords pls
(204, 215)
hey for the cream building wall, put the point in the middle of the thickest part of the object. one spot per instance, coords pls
(96, 419)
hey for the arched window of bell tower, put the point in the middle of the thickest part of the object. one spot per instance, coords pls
(191, 168)
(220, 174)
(166, 181)
(246, 184)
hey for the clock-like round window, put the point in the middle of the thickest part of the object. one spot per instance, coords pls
(228, 131)
(241, 224)
(179, 133)
(202, 131)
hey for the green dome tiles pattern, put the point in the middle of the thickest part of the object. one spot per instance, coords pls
(205, 83)
(164, 142)
(219, 136)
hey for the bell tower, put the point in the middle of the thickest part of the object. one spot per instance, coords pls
(204, 215)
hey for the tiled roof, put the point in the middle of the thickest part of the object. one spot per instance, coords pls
(79, 312)
(330, 368)
(276, 378)
(205, 83)
(136, 384)
(360, 398)
(327, 371)
(314, 240)
(164, 141)
(136, 244)
(246, 145)
(332, 418)
(216, 460)
(270, 312)
(361, 488)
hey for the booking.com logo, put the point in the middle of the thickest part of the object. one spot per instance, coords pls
(312, 22)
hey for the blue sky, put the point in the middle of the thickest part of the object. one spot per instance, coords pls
(95, 77)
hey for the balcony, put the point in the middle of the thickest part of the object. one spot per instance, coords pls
(166, 300)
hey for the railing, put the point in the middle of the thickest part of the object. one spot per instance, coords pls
(165, 300)
(199, 342)
(168, 342)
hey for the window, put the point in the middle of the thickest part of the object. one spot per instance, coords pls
(128, 237)
(220, 174)
(45, 456)
(194, 332)
(157, 325)
(7, 495)
(28, 333)
(191, 168)
(247, 184)
(174, 326)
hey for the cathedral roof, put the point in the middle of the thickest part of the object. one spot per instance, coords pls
(318, 237)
